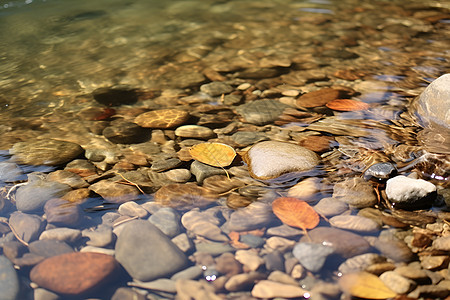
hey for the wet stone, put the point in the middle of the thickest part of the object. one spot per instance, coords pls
(9, 282)
(163, 118)
(81, 167)
(61, 212)
(202, 224)
(74, 273)
(178, 175)
(33, 196)
(355, 192)
(216, 88)
(184, 196)
(213, 248)
(27, 227)
(115, 96)
(394, 249)
(312, 256)
(115, 192)
(434, 262)
(100, 237)
(183, 242)
(271, 159)
(397, 283)
(66, 177)
(319, 97)
(68, 235)
(147, 253)
(132, 209)
(167, 220)
(274, 261)
(343, 242)
(254, 216)
(261, 112)
(272, 289)
(380, 171)
(45, 152)
(246, 138)
(123, 132)
(194, 131)
(442, 243)
(356, 223)
(406, 192)
(226, 264)
(202, 171)
(360, 262)
(164, 165)
(250, 259)
(127, 293)
(243, 281)
(330, 207)
(77, 196)
(10, 172)
(49, 248)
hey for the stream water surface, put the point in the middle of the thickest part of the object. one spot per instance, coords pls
(75, 75)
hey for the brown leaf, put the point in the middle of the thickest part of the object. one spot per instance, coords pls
(295, 212)
(318, 98)
(214, 154)
(365, 285)
(347, 105)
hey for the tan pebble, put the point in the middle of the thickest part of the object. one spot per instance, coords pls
(178, 175)
(194, 131)
(249, 258)
(298, 272)
(271, 289)
(282, 277)
(305, 189)
(290, 93)
(279, 243)
(132, 209)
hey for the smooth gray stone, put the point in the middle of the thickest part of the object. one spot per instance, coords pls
(10, 172)
(27, 226)
(261, 112)
(167, 220)
(216, 88)
(312, 256)
(9, 282)
(254, 216)
(49, 248)
(355, 192)
(147, 253)
(213, 248)
(33, 196)
(61, 212)
(202, 171)
(189, 273)
(61, 234)
(100, 237)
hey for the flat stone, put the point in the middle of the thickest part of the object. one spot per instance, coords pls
(243, 281)
(213, 248)
(73, 180)
(10, 172)
(319, 97)
(250, 259)
(49, 248)
(27, 227)
(68, 235)
(312, 256)
(33, 196)
(330, 206)
(247, 138)
(74, 273)
(9, 281)
(406, 192)
(178, 175)
(397, 283)
(184, 196)
(202, 171)
(199, 223)
(284, 231)
(115, 192)
(254, 216)
(45, 152)
(356, 223)
(360, 262)
(77, 196)
(272, 289)
(167, 220)
(196, 290)
(216, 88)
(165, 164)
(306, 189)
(162, 118)
(434, 262)
(355, 192)
(100, 237)
(261, 112)
(62, 212)
(127, 293)
(271, 159)
(194, 131)
(343, 242)
(124, 132)
(442, 243)
(82, 167)
(394, 249)
(226, 264)
(147, 253)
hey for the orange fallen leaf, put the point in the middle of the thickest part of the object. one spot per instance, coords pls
(234, 241)
(295, 212)
(213, 154)
(347, 105)
(365, 285)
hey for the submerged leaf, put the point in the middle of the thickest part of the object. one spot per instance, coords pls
(213, 154)
(347, 105)
(365, 285)
(295, 212)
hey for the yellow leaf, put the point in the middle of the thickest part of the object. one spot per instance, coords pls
(213, 154)
(365, 285)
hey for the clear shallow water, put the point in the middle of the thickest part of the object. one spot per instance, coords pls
(55, 54)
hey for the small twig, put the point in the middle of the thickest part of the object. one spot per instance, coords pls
(13, 188)
(15, 233)
(133, 183)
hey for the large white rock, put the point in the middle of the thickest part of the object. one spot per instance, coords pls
(406, 192)
(271, 159)
(433, 104)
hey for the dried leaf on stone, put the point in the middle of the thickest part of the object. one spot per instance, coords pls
(295, 212)
(365, 285)
(213, 154)
(347, 105)
(234, 240)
